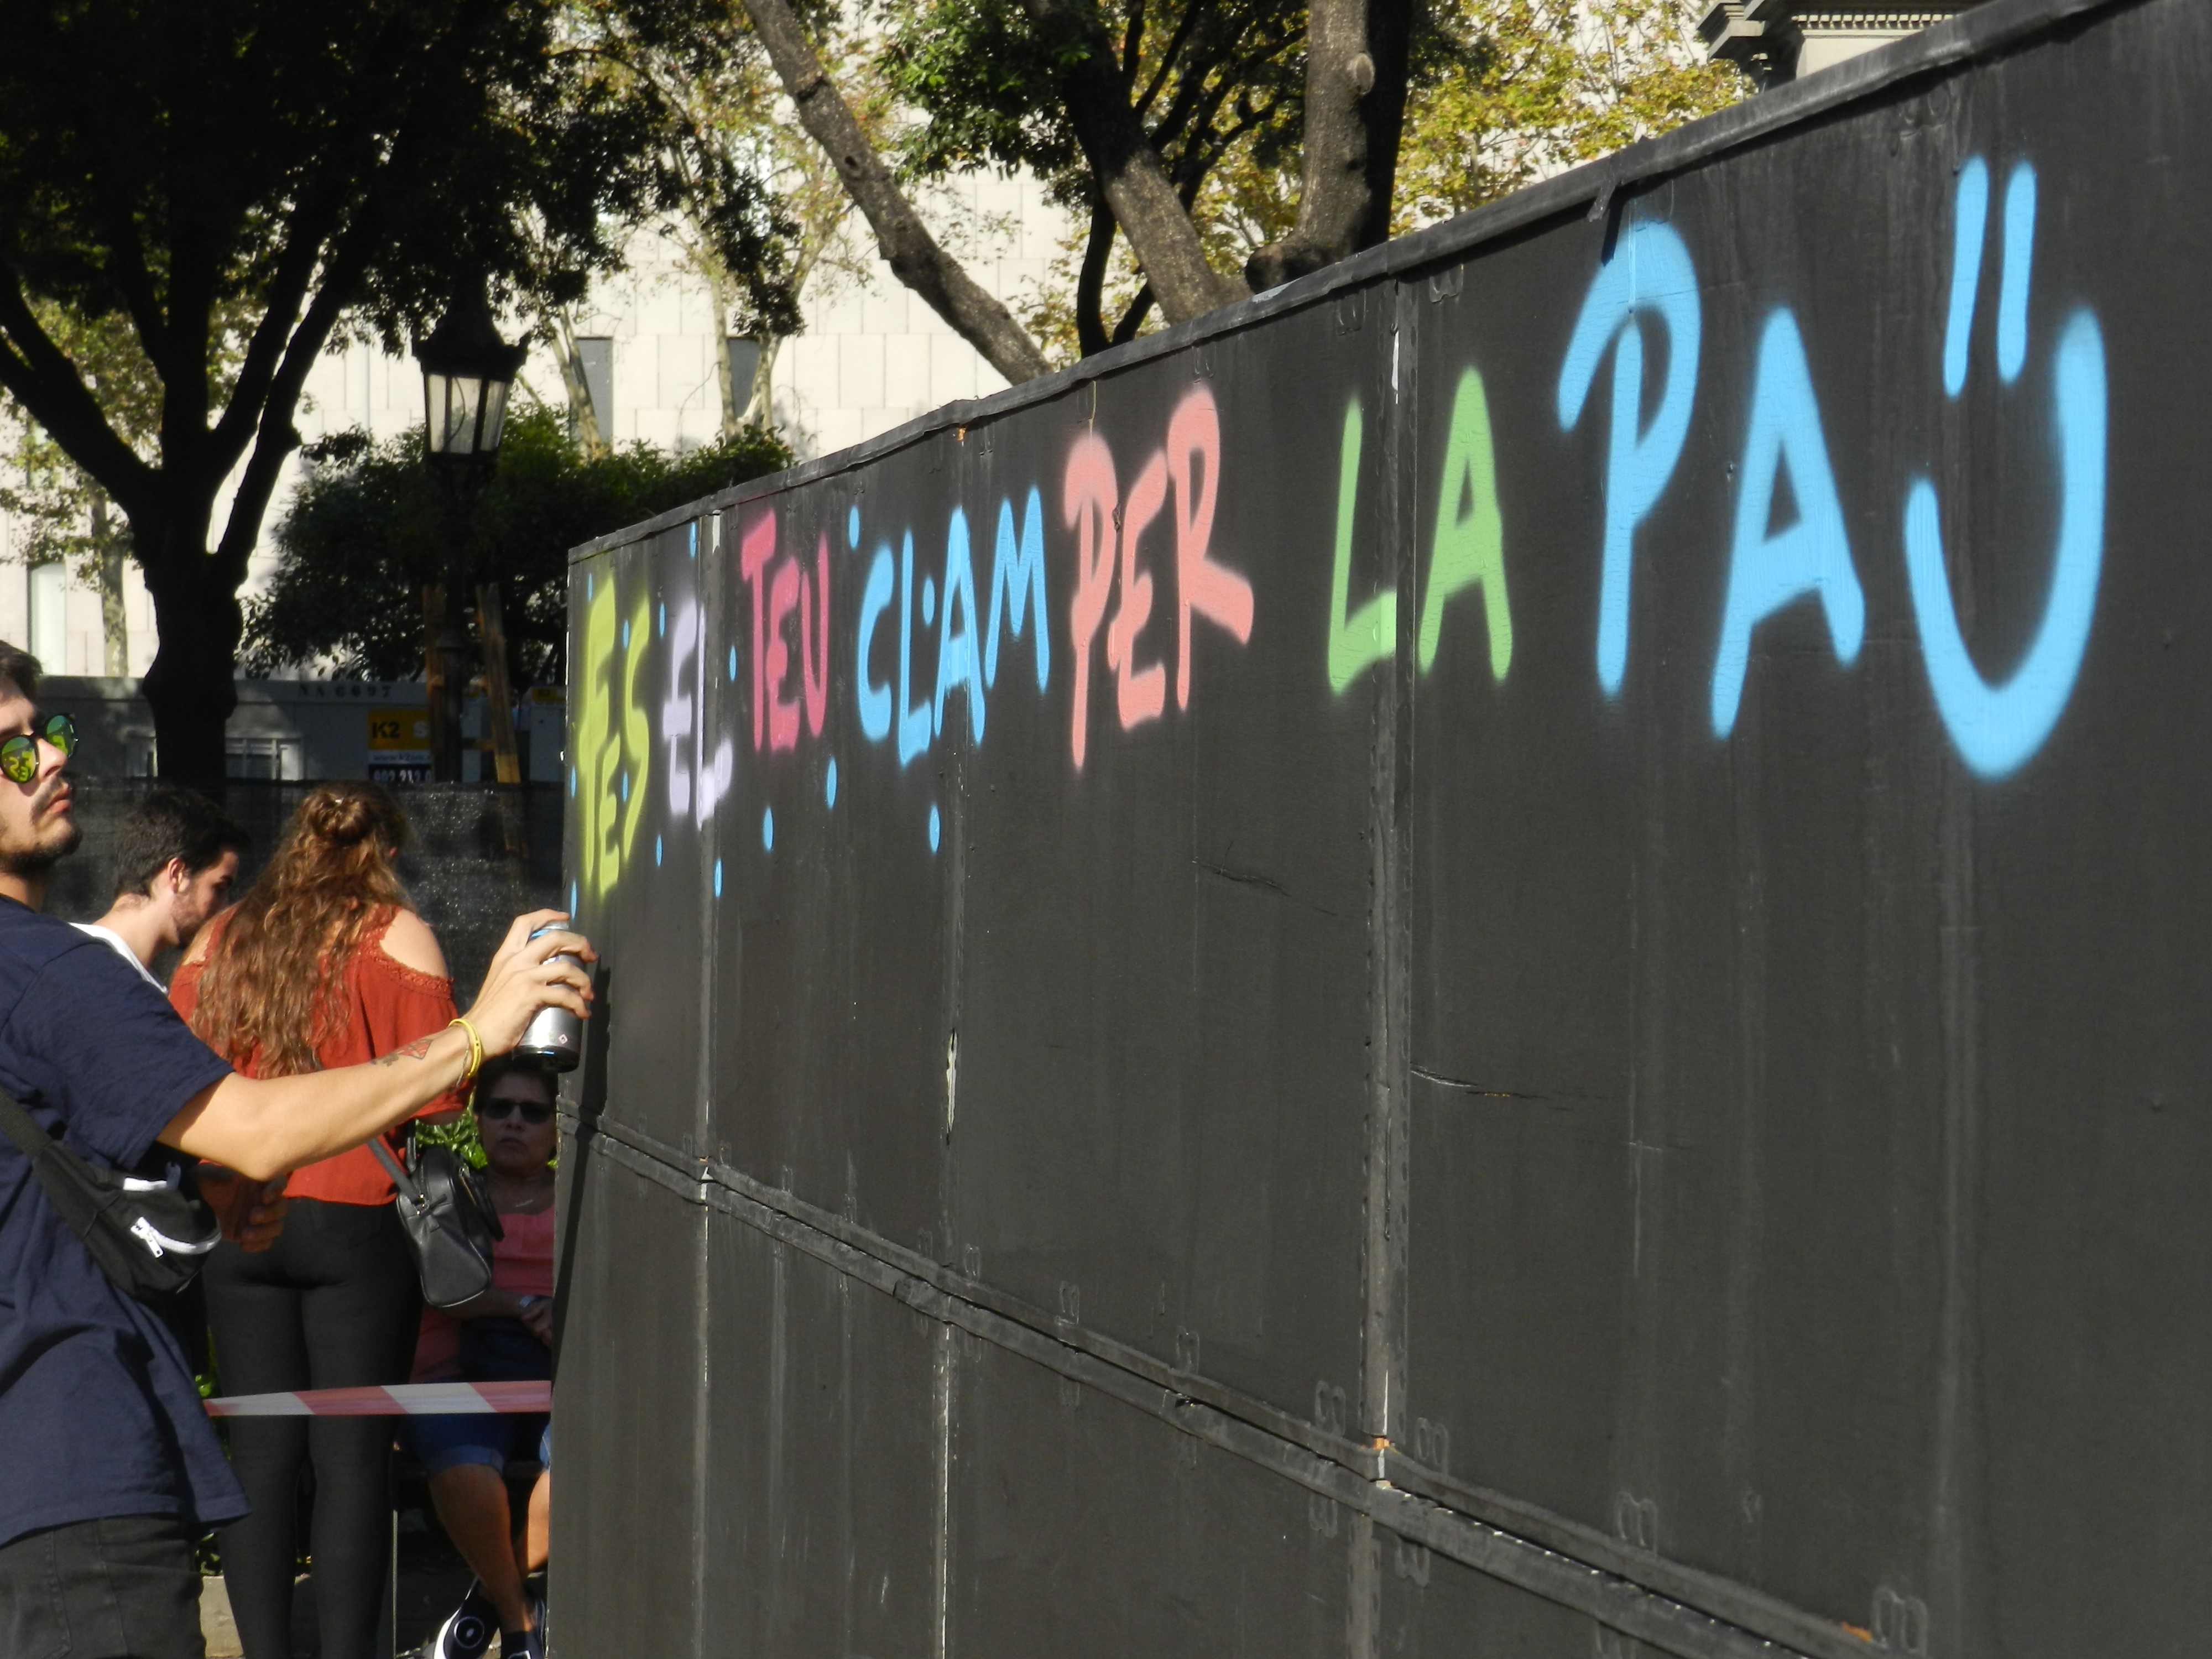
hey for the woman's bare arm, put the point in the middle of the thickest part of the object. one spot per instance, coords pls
(263, 1127)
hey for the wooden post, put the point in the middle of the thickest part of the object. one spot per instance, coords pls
(491, 631)
(434, 663)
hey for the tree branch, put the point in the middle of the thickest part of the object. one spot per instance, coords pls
(37, 374)
(1090, 337)
(277, 437)
(1356, 55)
(912, 252)
(1127, 168)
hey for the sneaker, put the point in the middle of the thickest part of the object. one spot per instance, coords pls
(522, 1643)
(467, 1632)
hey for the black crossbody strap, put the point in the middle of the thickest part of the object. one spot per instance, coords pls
(400, 1178)
(22, 1129)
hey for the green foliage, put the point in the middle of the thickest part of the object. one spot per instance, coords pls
(367, 530)
(460, 1136)
(1524, 88)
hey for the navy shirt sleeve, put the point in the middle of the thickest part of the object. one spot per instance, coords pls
(103, 1050)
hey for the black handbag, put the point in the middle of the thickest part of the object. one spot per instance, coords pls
(146, 1236)
(450, 1222)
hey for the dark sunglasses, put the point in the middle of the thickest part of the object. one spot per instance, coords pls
(494, 1110)
(19, 754)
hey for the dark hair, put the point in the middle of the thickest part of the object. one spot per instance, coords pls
(172, 822)
(505, 1066)
(270, 994)
(20, 669)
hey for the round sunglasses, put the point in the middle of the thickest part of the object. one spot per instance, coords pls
(19, 754)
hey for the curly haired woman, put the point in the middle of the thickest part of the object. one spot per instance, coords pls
(321, 965)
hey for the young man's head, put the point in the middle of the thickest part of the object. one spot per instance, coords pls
(180, 850)
(36, 826)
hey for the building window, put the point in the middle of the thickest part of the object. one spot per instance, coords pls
(744, 359)
(272, 757)
(49, 617)
(596, 357)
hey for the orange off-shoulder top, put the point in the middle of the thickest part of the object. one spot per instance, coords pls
(386, 1004)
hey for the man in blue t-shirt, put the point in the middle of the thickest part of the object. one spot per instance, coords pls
(109, 1470)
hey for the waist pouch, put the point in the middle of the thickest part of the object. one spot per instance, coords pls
(148, 1236)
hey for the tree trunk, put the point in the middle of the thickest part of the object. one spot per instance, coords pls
(581, 411)
(190, 686)
(108, 567)
(905, 242)
(760, 396)
(737, 400)
(1126, 169)
(1355, 112)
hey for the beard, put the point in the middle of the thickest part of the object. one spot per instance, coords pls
(49, 845)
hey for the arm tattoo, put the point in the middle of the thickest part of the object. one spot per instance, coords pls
(418, 1049)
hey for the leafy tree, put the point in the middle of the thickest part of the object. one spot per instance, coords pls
(68, 518)
(1528, 87)
(1198, 137)
(1500, 93)
(369, 526)
(309, 170)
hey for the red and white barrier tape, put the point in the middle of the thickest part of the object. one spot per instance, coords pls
(406, 1400)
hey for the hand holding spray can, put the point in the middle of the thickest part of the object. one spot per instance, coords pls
(555, 1038)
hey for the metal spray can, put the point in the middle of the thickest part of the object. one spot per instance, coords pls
(555, 1038)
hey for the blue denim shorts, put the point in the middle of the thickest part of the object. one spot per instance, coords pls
(444, 1443)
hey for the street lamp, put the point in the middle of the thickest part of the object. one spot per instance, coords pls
(466, 372)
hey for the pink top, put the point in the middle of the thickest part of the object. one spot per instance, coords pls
(522, 1263)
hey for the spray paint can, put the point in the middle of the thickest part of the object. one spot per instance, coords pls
(555, 1038)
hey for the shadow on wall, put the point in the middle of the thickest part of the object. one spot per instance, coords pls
(460, 872)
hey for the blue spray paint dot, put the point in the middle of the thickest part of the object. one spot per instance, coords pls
(694, 538)
(625, 788)
(829, 784)
(933, 830)
(768, 828)
(928, 600)
(656, 851)
(664, 622)
(718, 878)
(852, 526)
(733, 665)
(572, 782)
(625, 645)
(572, 898)
(587, 584)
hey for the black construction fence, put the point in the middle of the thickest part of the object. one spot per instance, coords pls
(1509, 952)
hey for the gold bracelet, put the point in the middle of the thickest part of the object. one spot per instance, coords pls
(475, 1051)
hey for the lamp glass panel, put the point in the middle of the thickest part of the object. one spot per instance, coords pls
(433, 412)
(464, 392)
(494, 417)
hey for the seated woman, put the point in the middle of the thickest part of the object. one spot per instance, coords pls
(505, 1333)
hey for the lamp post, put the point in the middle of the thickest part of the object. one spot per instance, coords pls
(467, 370)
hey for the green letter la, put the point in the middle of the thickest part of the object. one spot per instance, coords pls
(1469, 550)
(1356, 640)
